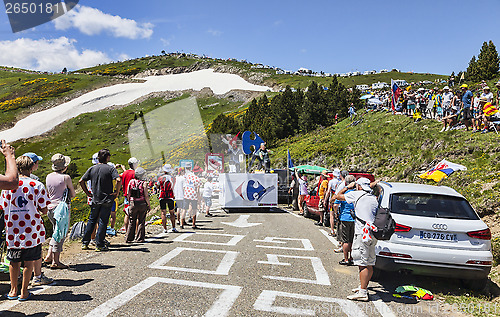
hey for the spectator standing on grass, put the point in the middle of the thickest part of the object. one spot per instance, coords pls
(208, 190)
(138, 196)
(466, 105)
(447, 97)
(126, 176)
(346, 235)
(25, 232)
(59, 189)
(191, 185)
(476, 117)
(166, 197)
(101, 177)
(363, 250)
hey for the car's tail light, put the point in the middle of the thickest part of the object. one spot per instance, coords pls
(395, 255)
(484, 234)
(402, 228)
(477, 262)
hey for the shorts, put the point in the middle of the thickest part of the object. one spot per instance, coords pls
(363, 253)
(179, 203)
(346, 231)
(467, 114)
(193, 204)
(208, 201)
(167, 201)
(29, 254)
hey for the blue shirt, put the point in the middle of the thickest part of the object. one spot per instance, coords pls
(345, 209)
(467, 99)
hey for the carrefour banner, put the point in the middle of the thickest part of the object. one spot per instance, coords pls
(242, 190)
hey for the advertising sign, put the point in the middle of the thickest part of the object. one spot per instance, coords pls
(243, 190)
(214, 162)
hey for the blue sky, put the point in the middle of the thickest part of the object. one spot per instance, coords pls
(332, 36)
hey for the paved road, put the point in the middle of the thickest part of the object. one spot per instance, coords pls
(237, 264)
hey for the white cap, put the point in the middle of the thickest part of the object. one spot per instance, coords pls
(167, 168)
(336, 172)
(446, 87)
(133, 160)
(364, 183)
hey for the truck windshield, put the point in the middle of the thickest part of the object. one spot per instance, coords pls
(431, 205)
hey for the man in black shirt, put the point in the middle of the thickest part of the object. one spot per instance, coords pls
(101, 177)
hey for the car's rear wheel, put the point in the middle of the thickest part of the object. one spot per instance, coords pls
(476, 284)
(307, 214)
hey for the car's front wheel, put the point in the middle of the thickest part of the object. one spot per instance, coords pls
(476, 284)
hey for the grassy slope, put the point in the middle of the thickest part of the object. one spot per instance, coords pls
(396, 149)
(159, 62)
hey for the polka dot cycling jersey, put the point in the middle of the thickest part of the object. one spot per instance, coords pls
(23, 223)
(191, 184)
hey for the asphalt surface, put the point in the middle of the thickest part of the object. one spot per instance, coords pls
(220, 270)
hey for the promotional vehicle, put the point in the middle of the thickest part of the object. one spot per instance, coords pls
(311, 201)
(247, 190)
(438, 233)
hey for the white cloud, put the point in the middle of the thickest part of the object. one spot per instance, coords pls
(91, 21)
(214, 32)
(48, 54)
(165, 42)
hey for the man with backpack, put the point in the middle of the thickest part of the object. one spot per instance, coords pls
(138, 196)
(167, 197)
(101, 177)
(363, 250)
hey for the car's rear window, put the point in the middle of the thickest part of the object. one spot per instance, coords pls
(431, 205)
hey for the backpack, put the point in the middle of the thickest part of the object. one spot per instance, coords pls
(77, 231)
(136, 189)
(383, 221)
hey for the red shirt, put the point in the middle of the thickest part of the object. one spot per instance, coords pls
(126, 177)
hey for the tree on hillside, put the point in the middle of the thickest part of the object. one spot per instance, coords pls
(225, 124)
(488, 61)
(473, 73)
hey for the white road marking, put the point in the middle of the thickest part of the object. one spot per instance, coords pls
(305, 242)
(8, 304)
(292, 213)
(266, 299)
(156, 237)
(235, 238)
(220, 307)
(242, 222)
(382, 307)
(332, 239)
(319, 270)
(223, 268)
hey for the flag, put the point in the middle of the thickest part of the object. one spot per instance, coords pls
(396, 91)
(289, 160)
(489, 109)
(442, 170)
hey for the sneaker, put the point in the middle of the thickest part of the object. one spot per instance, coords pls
(85, 246)
(442, 129)
(319, 223)
(42, 280)
(447, 128)
(357, 296)
(355, 290)
(208, 215)
(174, 230)
(339, 250)
(107, 243)
(93, 242)
(485, 131)
(102, 249)
(165, 230)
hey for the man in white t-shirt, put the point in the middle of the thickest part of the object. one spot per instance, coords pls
(208, 189)
(363, 253)
(487, 94)
(179, 193)
(447, 97)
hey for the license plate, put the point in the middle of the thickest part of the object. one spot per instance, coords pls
(438, 236)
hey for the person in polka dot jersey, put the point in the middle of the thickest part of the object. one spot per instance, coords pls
(25, 232)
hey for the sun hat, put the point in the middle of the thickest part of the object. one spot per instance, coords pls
(486, 88)
(464, 86)
(364, 183)
(420, 89)
(140, 173)
(59, 162)
(446, 88)
(95, 159)
(133, 160)
(35, 158)
(167, 168)
(497, 83)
